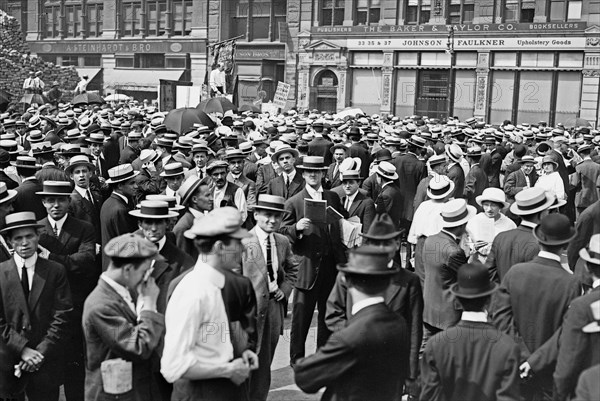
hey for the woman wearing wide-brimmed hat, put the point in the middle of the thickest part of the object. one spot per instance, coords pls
(550, 179)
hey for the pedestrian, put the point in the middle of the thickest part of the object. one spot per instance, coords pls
(550, 179)
(226, 193)
(356, 204)
(290, 181)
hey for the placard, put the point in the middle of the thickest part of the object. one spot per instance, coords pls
(281, 94)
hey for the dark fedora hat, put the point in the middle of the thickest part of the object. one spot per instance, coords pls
(19, 220)
(382, 229)
(369, 260)
(554, 229)
(269, 202)
(383, 155)
(56, 188)
(473, 281)
(149, 209)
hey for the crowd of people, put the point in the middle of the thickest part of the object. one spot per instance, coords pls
(142, 263)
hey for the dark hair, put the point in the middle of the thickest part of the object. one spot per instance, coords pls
(552, 248)
(369, 285)
(593, 268)
(25, 172)
(476, 159)
(474, 304)
(205, 244)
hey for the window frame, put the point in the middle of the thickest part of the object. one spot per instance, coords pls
(518, 10)
(251, 17)
(461, 12)
(333, 8)
(369, 7)
(565, 14)
(160, 22)
(125, 18)
(77, 28)
(422, 15)
(97, 23)
(185, 19)
(53, 9)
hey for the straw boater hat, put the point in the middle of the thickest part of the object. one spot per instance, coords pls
(350, 175)
(554, 229)
(41, 148)
(387, 170)
(171, 201)
(70, 150)
(26, 162)
(234, 154)
(369, 260)
(492, 195)
(527, 159)
(591, 253)
(149, 209)
(456, 212)
(437, 159)
(188, 188)
(271, 203)
(172, 170)
(531, 200)
(80, 160)
(149, 155)
(120, 173)
(95, 137)
(225, 221)
(281, 149)
(473, 281)
(19, 220)
(593, 327)
(440, 186)
(382, 229)
(454, 152)
(312, 163)
(6, 194)
(56, 188)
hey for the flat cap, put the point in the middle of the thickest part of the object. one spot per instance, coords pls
(130, 246)
(225, 220)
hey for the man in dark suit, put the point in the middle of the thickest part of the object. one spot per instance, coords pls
(290, 181)
(111, 325)
(319, 247)
(320, 146)
(237, 160)
(532, 301)
(34, 317)
(131, 151)
(96, 143)
(7, 197)
(519, 245)
(390, 198)
(476, 179)
(520, 179)
(353, 365)
(355, 203)
(584, 180)
(442, 256)
(410, 171)
(579, 342)
(332, 178)
(114, 215)
(455, 170)
(359, 149)
(471, 361)
(85, 203)
(437, 164)
(267, 169)
(404, 296)
(70, 242)
(272, 268)
(44, 153)
(26, 199)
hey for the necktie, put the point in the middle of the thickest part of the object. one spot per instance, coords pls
(55, 229)
(25, 282)
(335, 170)
(89, 196)
(287, 181)
(348, 203)
(269, 260)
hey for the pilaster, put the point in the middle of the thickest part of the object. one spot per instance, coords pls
(387, 72)
(482, 86)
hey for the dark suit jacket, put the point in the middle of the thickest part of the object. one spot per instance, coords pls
(471, 361)
(588, 224)
(457, 174)
(41, 324)
(362, 207)
(577, 350)
(475, 182)
(530, 305)
(354, 365)
(404, 296)
(250, 168)
(442, 256)
(83, 209)
(247, 185)
(51, 173)
(515, 183)
(114, 221)
(588, 386)
(265, 173)
(26, 199)
(421, 193)
(323, 244)
(321, 147)
(277, 186)
(372, 187)
(491, 164)
(75, 249)
(585, 178)
(186, 245)
(410, 171)
(391, 201)
(128, 155)
(332, 180)
(509, 248)
(112, 330)
(358, 150)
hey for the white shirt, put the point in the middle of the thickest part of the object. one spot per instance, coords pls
(170, 192)
(196, 213)
(349, 200)
(122, 291)
(161, 243)
(482, 228)
(427, 220)
(262, 240)
(82, 86)
(289, 176)
(596, 283)
(528, 224)
(474, 316)
(197, 327)
(358, 306)
(217, 79)
(552, 183)
(315, 193)
(29, 265)
(59, 224)
(239, 200)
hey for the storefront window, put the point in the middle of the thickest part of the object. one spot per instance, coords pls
(94, 19)
(367, 12)
(418, 12)
(432, 97)
(567, 96)
(332, 12)
(150, 60)
(466, 59)
(124, 61)
(537, 59)
(408, 59)
(570, 60)
(92, 60)
(435, 59)
(503, 59)
(69, 61)
(406, 89)
(461, 11)
(502, 93)
(366, 89)
(374, 59)
(535, 92)
(464, 93)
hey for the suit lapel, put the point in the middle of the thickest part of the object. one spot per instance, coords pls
(259, 273)
(294, 184)
(355, 203)
(39, 281)
(11, 276)
(65, 234)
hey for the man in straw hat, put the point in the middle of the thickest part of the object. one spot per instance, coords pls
(404, 296)
(35, 314)
(290, 181)
(519, 245)
(437, 167)
(211, 366)
(442, 256)
(85, 202)
(319, 247)
(173, 174)
(471, 361)
(114, 215)
(356, 204)
(272, 267)
(72, 243)
(352, 365)
(389, 200)
(532, 301)
(579, 341)
(476, 180)
(114, 327)
(7, 197)
(26, 199)
(523, 178)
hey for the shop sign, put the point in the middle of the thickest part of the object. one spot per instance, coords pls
(458, 28)
(121, 46)
(570, 43)
(281, 94)
(259, 53)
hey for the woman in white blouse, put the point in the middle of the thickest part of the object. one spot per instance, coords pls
(550, 179)
(483, 228)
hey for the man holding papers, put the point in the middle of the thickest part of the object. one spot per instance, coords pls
(318, 247)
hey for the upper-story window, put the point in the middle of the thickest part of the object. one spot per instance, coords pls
(94, 19)
(52, 19)
(518, 10)
(417, 12)
(565, 10)
(367, 12)
(157, 17)
(131, 18)
(258, 19)
(73, 20)
(332, 12)
(461, 11)
(182, 17)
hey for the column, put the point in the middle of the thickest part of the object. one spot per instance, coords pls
(341, 95)
(387, 72)
(482, 87)
(198, 62)
(590, 88)
(110, 26)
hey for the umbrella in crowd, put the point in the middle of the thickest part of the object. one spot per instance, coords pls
(116, 97)
(249, 107)
(216, 105)
(31, 98)
(181, 120)
(87, 98)
(577, 122)
(349, 111)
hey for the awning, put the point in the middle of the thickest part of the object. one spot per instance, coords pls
(90, 72)
(138, 80)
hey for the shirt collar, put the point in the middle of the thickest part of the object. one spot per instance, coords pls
(58, 223)
(475, 316)
(261, 234)
(549, 255)
(161, 243)
(596, 283)
(28, 178)
(29, 262)
(196, 213)
(210, 273)
(528, 224)
(50, 164)
(291, 175)
(122, 291)
(352, 197)
(450, 234)
(170, 192)
(313, 192)
(122, 197)
(358, 306)
(81, 191)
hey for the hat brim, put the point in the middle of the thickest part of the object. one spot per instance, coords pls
(593, 327)
(276, 154)
(471, 212)
(442, 196)
(138, 213)
(302, 167)
(96, 141)
(113, 181)
(70, 167)
(415, 144)
(455, 291)
(347, 268)
(32, 225)
(384, 237)
(36, 167)
(43, 193)
(394, 177)
(514, 208)
(536, 235)
(11, 195)
(585, 255)
(480, 199)
(163, 174)
(255, 208)
(240, 233)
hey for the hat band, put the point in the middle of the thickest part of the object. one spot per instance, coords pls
(3, 195)
(154, 211)
(593, 254)
(272, 205)
(439, 191)
(458, 217)
(176, 171)
(125, 176)
(311, 165)
(533, 205)
(20, 223)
